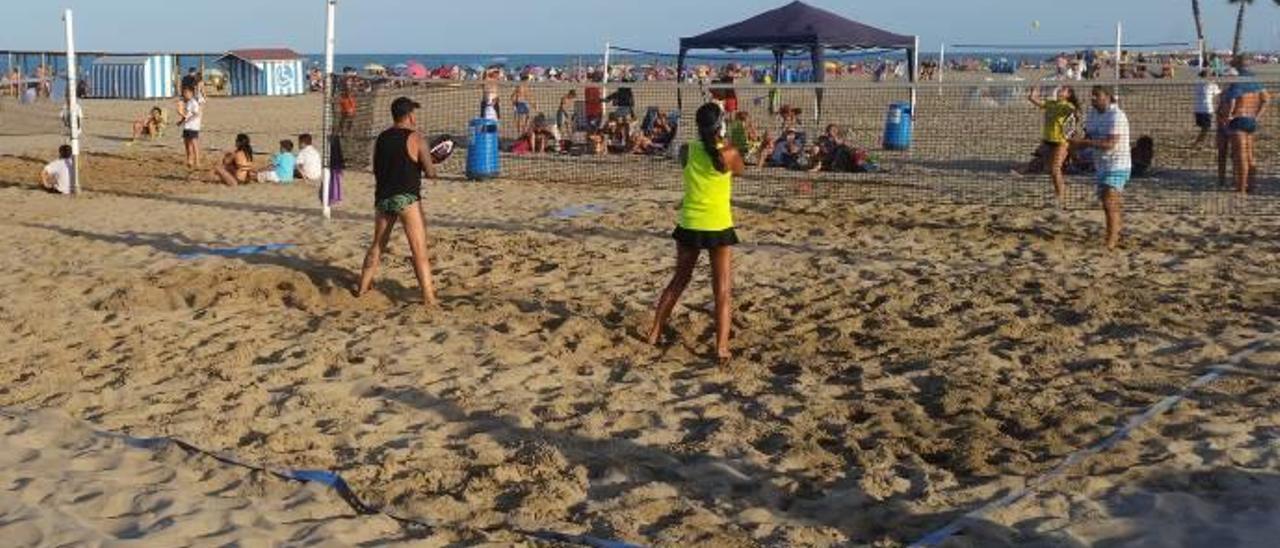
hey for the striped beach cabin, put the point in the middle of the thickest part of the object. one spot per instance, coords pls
(132, 76)
(267, 71)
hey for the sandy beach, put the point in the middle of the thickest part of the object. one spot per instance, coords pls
(898, 364)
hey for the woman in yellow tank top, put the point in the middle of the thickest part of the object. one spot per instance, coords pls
(706, 222)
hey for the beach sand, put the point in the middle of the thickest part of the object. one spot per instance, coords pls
(898, 364)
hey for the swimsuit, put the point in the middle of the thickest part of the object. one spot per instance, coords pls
(1244, 124)
(522, 107)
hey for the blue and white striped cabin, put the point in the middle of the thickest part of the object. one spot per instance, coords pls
(265, 72)
(132, 77)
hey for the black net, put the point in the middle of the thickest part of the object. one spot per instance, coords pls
(968, 142)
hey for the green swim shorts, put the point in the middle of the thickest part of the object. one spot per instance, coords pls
(395, 204)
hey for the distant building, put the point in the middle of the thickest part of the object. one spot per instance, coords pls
(132, 77)
(265, 71)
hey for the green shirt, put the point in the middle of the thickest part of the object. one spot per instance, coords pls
(707, 193)
(1056, 114)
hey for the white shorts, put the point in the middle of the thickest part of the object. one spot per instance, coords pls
(268, 176)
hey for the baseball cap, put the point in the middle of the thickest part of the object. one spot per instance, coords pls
(402, 107)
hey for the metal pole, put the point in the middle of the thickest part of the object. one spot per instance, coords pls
(72, 103)
(1119, 46)
(915, 73)
(1200, 52)
(604, 82)
(331, 6)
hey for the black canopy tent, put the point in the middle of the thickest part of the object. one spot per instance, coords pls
(799, 27)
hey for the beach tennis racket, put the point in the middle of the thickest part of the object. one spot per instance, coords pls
(441, 148)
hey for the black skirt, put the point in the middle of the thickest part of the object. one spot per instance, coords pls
(704, 239)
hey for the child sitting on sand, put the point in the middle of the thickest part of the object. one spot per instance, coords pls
(152, 126)
(282, 165)
(56, 177)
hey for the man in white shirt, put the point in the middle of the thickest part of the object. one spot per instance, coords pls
(308, 166)
(1107, 131)
(189, 114)
(1206, 104)
(56, 177)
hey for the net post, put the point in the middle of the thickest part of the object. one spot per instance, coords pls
(604, 81)
(330, 9)
(73, 121)
(915, 72)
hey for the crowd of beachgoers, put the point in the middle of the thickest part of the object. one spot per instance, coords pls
(1075, 65)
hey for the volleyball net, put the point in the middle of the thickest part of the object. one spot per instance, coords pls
(963, 142)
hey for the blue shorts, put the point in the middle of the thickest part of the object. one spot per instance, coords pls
(1114, 180)
(522, 107)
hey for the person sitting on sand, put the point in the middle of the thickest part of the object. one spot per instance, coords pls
(152, 126)
(661, 133)
(236, 166)
(400, 158)
(282, 165)
(825, 154)
(57, 177)
(706, 222)
(1053, 150)
(309, 167)
(1107, 131)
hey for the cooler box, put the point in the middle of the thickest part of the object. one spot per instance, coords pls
(897, 127)
(482, 152)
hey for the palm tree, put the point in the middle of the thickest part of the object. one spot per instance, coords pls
(1235, 46)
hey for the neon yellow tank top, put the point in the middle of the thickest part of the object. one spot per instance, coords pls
(707, 193)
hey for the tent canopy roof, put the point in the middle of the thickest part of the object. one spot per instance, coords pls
(797, 26)
(262, 54)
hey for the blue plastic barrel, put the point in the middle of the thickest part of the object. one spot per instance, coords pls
(482, 152)
(897, 127)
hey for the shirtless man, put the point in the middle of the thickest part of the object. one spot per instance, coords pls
(520, 101)
(1244, 103)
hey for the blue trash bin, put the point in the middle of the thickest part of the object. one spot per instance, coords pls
(897, 127)
(482, 150)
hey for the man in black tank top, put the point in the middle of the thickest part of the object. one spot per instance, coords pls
(399, 160)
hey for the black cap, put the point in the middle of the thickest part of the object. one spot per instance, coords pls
(403, 106)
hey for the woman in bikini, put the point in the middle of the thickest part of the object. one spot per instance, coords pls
(706, 222)
(236, 167)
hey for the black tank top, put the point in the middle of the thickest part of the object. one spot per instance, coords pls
(393, 172)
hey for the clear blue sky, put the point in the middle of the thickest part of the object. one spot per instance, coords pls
(580, 26)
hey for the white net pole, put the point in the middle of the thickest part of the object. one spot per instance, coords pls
(330, 11)
(73, 121)
(604, 82)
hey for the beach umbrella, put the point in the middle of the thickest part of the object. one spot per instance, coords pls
(415, 70)
(374, 68)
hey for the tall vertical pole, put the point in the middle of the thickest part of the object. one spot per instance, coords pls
(331, 8)
(1200, 53)
(73, 102)
(915, 73)
(604, 82)
(1119, 46)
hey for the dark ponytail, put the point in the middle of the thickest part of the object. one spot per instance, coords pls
(710, 118)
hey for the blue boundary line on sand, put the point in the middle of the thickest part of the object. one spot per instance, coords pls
(334, 481)
(233, 251)
(1216, 372)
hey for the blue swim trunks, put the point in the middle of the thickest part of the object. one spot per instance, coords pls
(522, 107)
(1115, 180)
